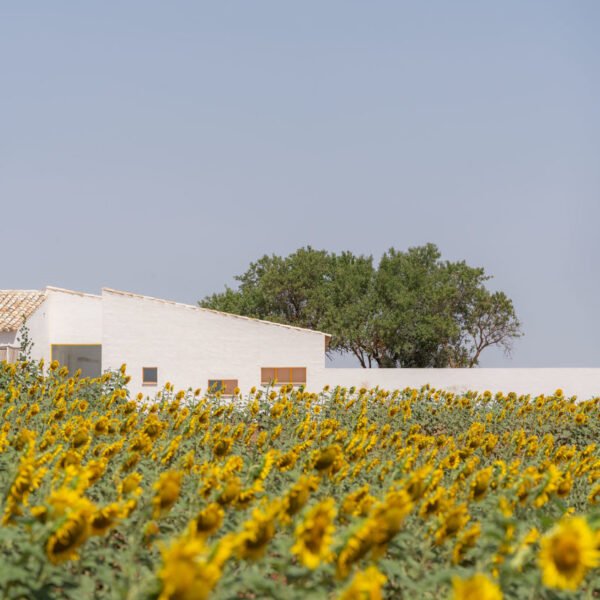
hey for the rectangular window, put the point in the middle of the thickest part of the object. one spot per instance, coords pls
(283, 375)
(225, 386)
(87, 357)
(149, 375)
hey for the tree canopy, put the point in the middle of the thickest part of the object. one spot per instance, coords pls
(411, 310)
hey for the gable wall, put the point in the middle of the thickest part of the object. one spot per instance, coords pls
(65, 318)
(74, 318)
(191, 346)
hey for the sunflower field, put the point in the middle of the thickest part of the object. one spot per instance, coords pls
(284, 493)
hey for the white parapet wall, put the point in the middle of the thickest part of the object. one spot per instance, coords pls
(583, 383)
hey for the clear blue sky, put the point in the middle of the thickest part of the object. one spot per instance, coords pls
(158, 147)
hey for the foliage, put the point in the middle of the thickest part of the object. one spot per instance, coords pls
(25, 343)
(413, 310)
(288, 494)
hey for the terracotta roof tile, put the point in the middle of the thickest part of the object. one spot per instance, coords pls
(16, 305)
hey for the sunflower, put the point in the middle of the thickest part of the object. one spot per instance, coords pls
(567, 551)
(80, 438)
(417, 484)
(168, 488)
(389, 516)
(324, 459)
(151, 531)
(257, 532)
(452, 461)
(451, 522)
(101, 426)
(433, 503)
(480, 484)
(66, 500)
(357, 502)
(247, 496)
(365, 585)
(477, 587)
(28, 479)
(186, 573)
(222, 446)
(594, 495)
(299, 494)
(287, 461)
(564, 485)
(231, 491)
(63, 543)
(267, 464)
(131, 485)
(465, 542)
(94, 470)
(314, 534)
(105, 518)
(208, 520)
(357, 546)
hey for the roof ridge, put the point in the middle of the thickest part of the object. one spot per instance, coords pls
(212, 310)
(54, 288)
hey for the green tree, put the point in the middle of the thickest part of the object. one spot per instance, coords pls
(348, 313)
(288, 289)
(413, 310)
(434, 313)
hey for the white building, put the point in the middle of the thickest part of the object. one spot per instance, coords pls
(159, 340)
(193, 347)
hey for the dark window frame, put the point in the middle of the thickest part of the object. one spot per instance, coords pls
(148, 381)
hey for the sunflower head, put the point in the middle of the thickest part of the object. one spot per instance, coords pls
(314, 534)
(567, 552)
(186, 572)
(477, 587)
(64, 541)
(365, 584)
(208, 520)
(167, 490)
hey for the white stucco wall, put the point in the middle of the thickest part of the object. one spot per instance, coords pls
(189, 345)
(65, 317)
(37, 323)
(74, 318)
(584, 383)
